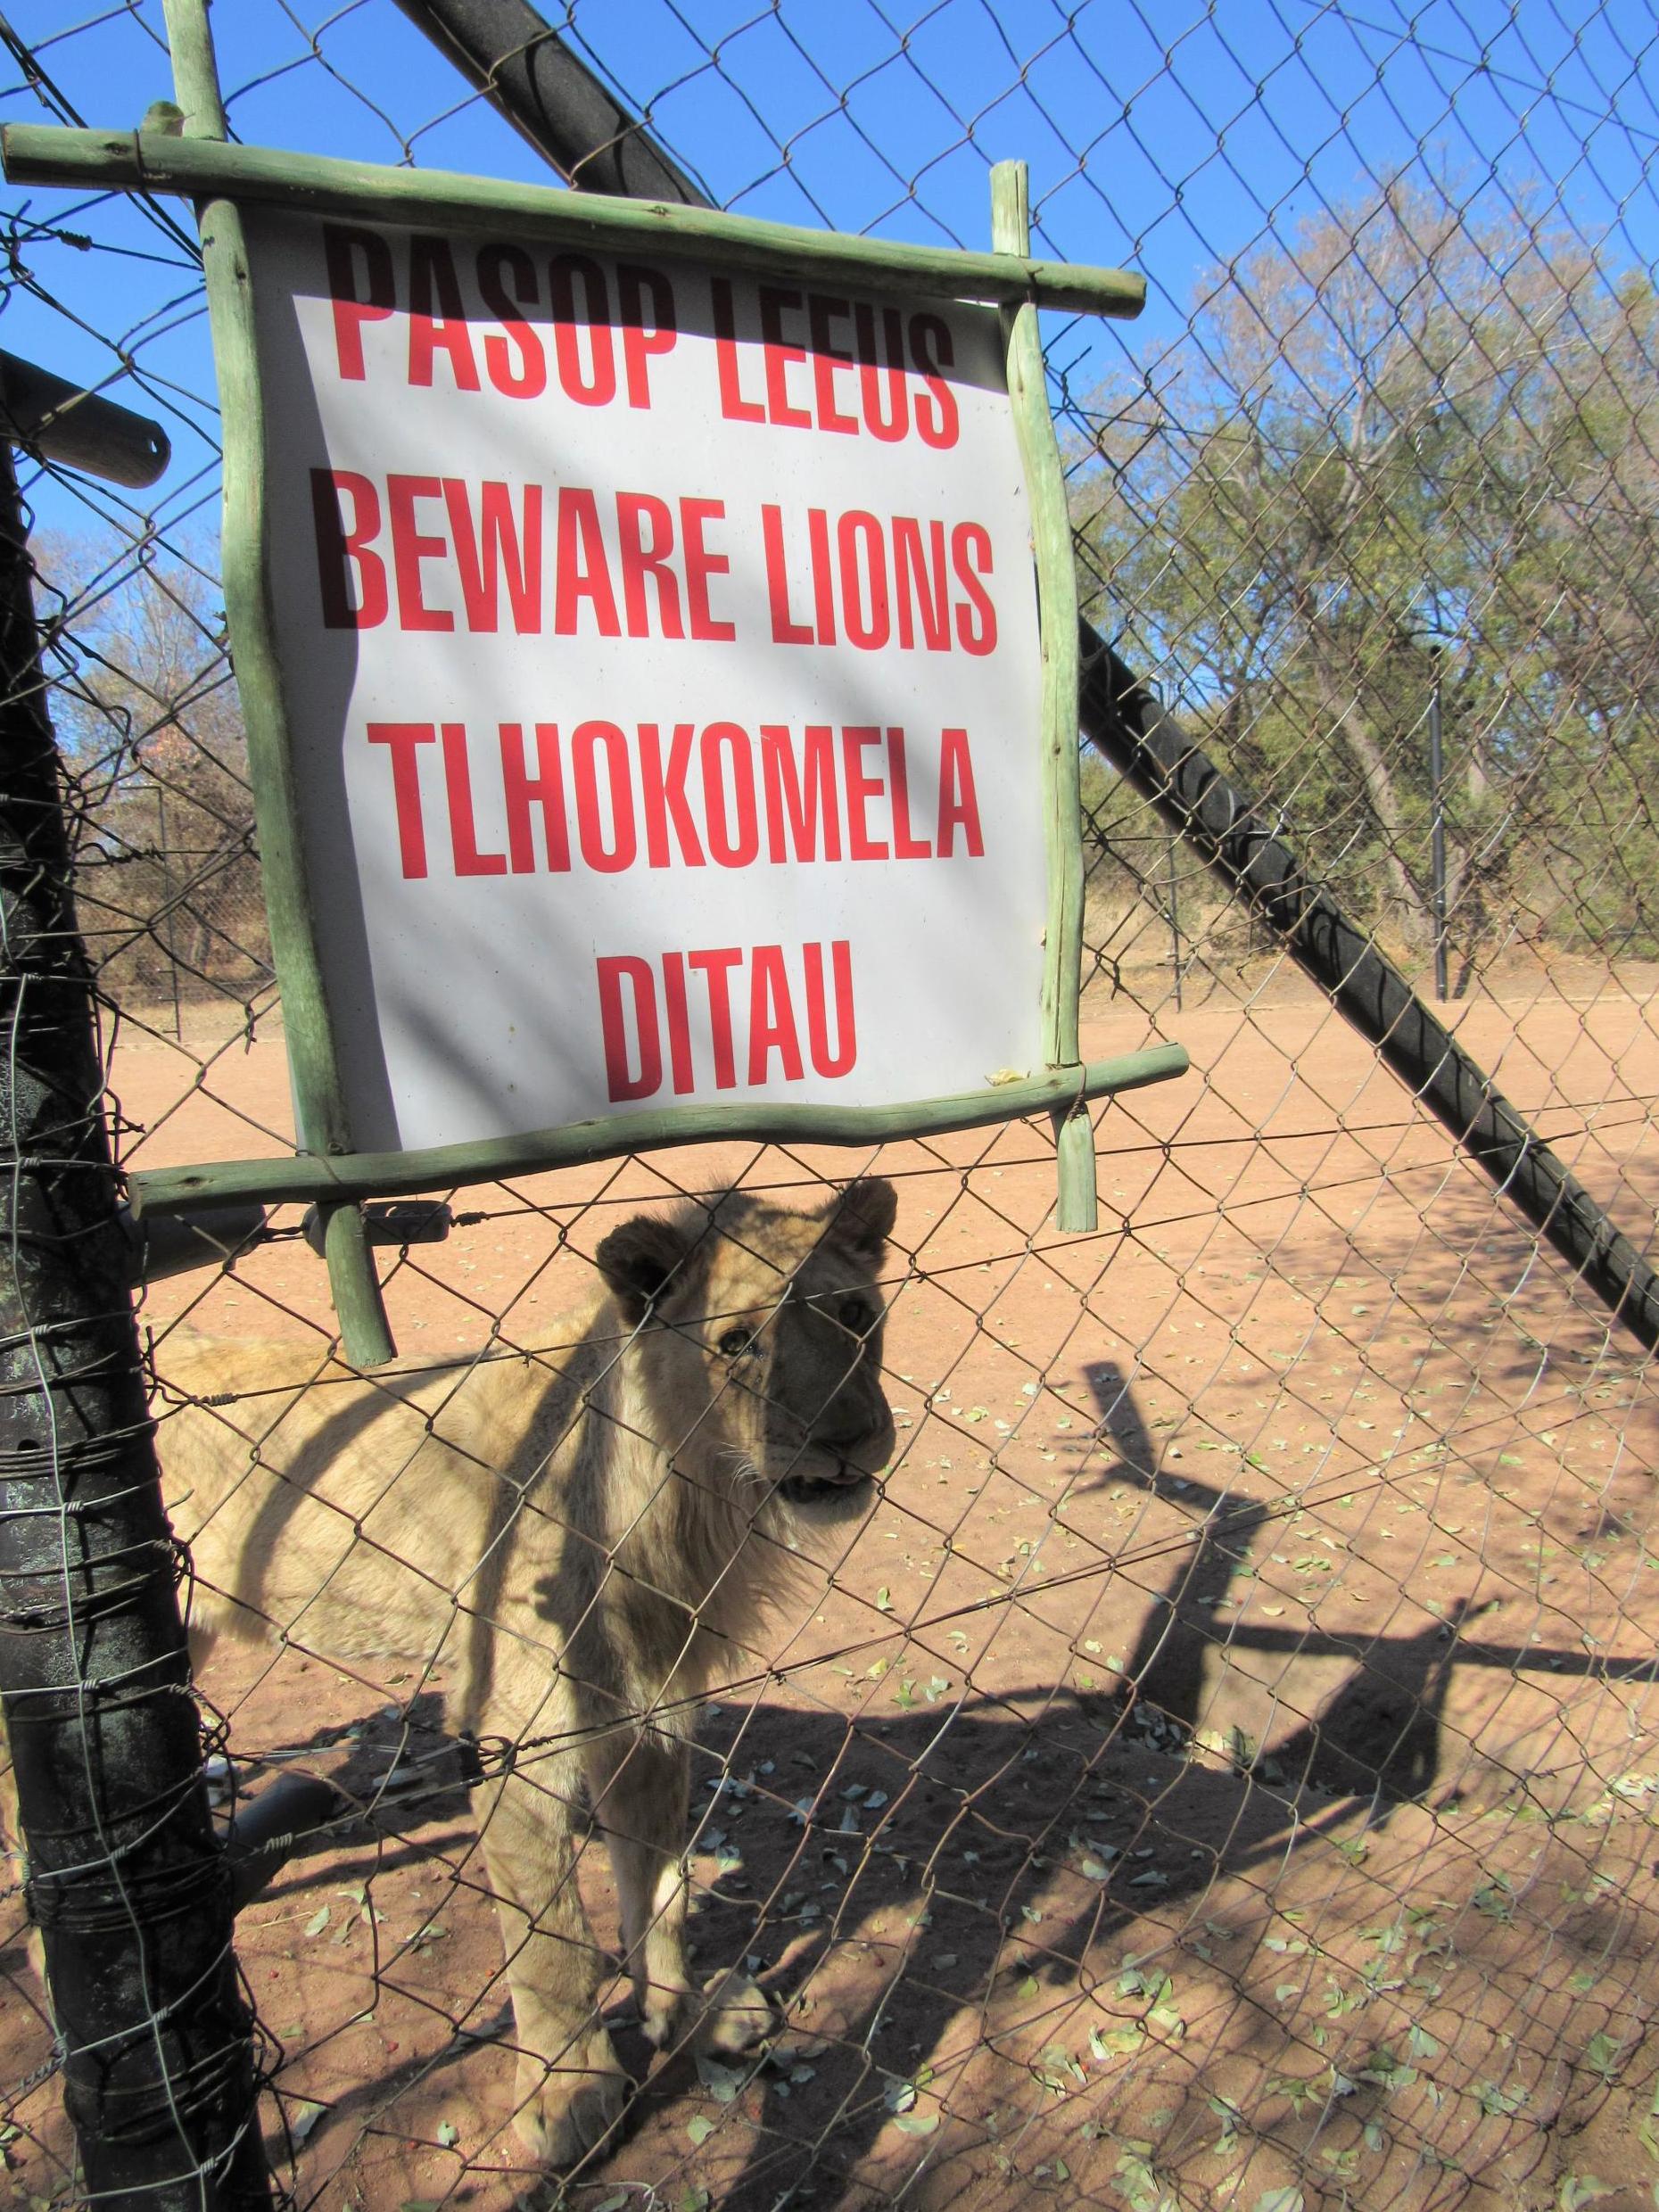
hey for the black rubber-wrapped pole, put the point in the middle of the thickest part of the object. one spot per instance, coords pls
(555, 102)
(80, 429)
(126, 1881)
(1229, 831)
(507, 50)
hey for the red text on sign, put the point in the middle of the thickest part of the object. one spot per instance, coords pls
(676, 796)
(725, 1017)
(563, 323)
(878, 582)
(435, 553)
(830, 363)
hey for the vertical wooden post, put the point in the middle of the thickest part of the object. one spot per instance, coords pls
(125, 1880)
(325, 1124)
(1062, 798)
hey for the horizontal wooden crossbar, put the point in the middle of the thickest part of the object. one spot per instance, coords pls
(205, 169)
(309, 1178)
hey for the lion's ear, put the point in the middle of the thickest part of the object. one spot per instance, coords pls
(862, 1216)
(638, 1258)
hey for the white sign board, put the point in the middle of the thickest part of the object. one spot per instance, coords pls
(661, 661)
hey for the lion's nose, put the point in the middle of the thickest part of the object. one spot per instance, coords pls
(844, 1423)
(857, 1433)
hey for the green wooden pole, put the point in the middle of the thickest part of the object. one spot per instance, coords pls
(198, 167)
(313, 1179)
(1077, 1205)
(324, 1121)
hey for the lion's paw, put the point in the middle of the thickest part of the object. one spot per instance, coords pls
(564, 2114)
(664, 2014)
(736, 2015)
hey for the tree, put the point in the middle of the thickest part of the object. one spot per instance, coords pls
(1428, 415)
(167, 873)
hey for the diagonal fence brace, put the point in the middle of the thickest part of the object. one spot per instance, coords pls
(1228, 830)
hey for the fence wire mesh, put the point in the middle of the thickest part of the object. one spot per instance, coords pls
(1221, 1767)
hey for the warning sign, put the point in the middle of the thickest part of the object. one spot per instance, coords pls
(660, 658)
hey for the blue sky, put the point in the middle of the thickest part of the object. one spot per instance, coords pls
(1169, 137)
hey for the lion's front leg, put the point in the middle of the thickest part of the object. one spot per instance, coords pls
(571, 2089)
(639, 1788)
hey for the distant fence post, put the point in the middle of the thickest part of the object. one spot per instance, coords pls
(126, 1880)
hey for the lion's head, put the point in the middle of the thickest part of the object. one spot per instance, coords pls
(762, 1336)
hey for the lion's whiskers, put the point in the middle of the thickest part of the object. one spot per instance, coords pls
(746, 1474)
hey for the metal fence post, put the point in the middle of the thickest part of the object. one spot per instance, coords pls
(126, 1881)
(1437, 821)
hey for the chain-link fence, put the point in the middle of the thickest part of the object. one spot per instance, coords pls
(1220, 1767)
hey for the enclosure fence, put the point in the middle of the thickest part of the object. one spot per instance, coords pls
(1220, 1767)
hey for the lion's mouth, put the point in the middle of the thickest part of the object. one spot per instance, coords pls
(835, 1468)
(838, 1468)
(844, 1481)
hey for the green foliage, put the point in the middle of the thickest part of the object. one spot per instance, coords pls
(1415, 448)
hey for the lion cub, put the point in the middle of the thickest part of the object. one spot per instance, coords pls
(586, 1540)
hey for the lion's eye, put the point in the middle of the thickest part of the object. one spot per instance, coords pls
(735, 1343)
(858, 1316)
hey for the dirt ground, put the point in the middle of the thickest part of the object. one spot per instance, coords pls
(1222, 1771)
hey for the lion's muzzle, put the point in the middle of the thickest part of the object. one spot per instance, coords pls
(840, 1463)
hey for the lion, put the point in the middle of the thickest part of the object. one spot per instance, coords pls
(587, 1541)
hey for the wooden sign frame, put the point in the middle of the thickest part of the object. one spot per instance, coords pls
(329, 1170)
